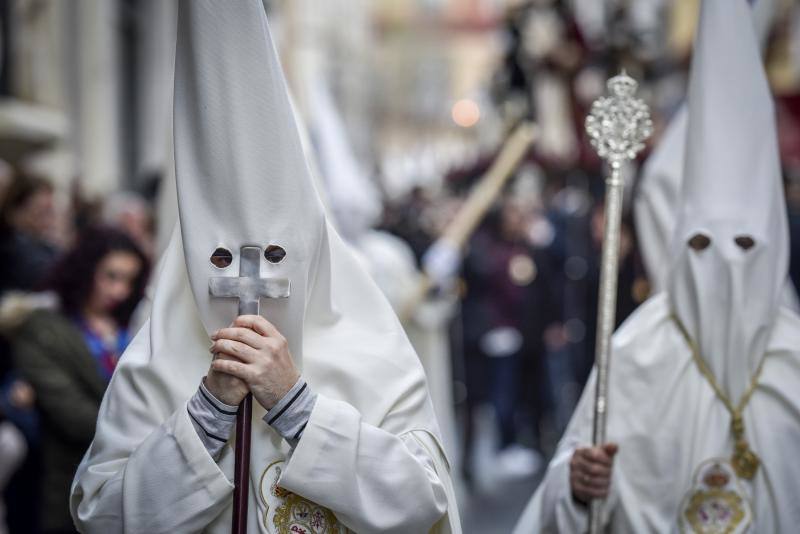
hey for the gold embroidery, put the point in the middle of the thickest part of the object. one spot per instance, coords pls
(715, 511)
(716, 503)
(298, 516)
(292, 513)
(274, 484)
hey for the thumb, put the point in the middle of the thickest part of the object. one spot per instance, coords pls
(610, 449)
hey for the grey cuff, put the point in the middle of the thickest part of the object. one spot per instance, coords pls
(290, 415)
(213, 420)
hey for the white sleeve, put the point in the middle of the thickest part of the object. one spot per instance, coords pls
(168, 484)
(552, 509)
(374, 481)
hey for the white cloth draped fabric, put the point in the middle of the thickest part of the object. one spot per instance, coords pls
(370, 459)
(353, 196)
(655, 206)
(391, 263)
(663, 412)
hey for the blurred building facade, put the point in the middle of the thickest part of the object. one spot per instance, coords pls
(99, 71)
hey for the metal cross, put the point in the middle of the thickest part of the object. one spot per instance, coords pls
(248, 287)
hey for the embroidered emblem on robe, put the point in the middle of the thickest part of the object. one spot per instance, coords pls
(716, 504)
(288, 513)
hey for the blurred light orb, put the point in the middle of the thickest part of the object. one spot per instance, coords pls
(521, 270)
(576, 268)
(466, 113)
(575, 330)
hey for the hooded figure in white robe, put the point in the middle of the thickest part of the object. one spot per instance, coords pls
(658, 194)
(370, 457)
(675, 470)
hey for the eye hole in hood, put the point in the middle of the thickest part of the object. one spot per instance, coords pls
(699, 242)
(274, 254)
(745, 242)
(221, 258)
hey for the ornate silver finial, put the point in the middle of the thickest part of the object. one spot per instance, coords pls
(619, 124)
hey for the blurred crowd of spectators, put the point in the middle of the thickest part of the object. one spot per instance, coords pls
(69, 284)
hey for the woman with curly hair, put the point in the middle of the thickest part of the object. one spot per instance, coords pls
(69, 354)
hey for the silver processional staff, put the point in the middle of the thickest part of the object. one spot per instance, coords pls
(618, 125)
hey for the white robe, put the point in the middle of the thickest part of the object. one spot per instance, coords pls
(390, 262)
(148, 471)
(171, 472)
(667, 421)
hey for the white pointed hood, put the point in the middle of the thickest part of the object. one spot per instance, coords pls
(727, 295)
(657, 196)
(656, 203)
(242, 177)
